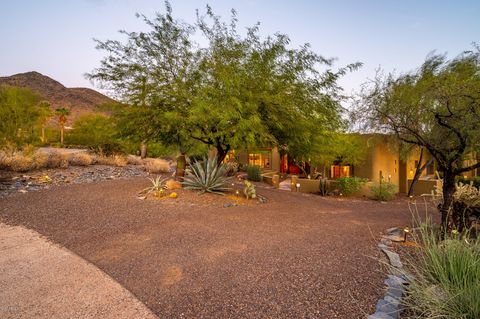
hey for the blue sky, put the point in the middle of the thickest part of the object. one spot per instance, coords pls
(54, 37)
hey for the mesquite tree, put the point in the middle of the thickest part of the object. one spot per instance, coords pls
(228, 91)
(437, 108)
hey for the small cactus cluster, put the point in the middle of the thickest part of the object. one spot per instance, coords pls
(249, 190)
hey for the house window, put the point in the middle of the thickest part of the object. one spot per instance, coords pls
(261, 159)
(339, 171)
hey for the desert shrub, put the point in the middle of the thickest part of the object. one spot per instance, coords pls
(119, 161)
(254, 173)
(134, 160)
(108, 149)
(232, 168)
(81, 159)
(206, 176)
(4, 159)
(58, 159)
(383, 191)
(28, 150)
(21, 163)
(350, 185)
(446, 282)
(40, 159)
(157, 165)
(475, 180)
(115, 160)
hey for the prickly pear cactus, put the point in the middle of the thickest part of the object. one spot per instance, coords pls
(249, 190)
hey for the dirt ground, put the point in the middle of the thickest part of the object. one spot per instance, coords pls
(296, 256)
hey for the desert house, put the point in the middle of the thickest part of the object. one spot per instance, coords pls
(383, 162)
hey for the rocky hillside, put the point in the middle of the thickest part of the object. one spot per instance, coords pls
(78, 100)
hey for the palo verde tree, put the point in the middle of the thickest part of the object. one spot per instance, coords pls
(19, 114)
(437, 108)
(233, 91)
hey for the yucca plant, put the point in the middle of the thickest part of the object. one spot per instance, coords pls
(157, 187)
(206, 176)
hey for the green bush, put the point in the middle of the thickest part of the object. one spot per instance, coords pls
(474, 180)
(350, 185)
(446, 280)
(91, 130)
(383, 191)
(254, 173)
(206, 176)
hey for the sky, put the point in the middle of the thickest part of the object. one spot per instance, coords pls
(55, 37)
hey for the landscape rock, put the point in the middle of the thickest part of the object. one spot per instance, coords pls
(395, 237)
(386, 307)
(380, 315)
(42, 179)
(394, 258)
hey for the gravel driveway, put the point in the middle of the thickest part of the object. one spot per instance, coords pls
(297, 256)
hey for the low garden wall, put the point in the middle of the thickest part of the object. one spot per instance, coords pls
(424, 186)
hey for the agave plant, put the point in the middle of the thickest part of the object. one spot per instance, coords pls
(206, 176)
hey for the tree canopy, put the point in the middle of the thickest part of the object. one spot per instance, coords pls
(235, 91)
(20, 111)
(437, 107)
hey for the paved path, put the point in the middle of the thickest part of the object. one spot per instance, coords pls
(47, 281)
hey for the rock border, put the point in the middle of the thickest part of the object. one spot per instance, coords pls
(390, 306)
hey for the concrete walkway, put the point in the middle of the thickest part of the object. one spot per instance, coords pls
(285, 185)
(39, 279)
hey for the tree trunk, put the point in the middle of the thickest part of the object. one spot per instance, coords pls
(143, 149)
(180, 169)
(418, 172)
(221, 153)
(446, 208)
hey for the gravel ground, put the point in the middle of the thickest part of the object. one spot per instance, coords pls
(297, 256)
(11, 182)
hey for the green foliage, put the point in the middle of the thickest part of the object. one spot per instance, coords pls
(475, 180)
(350, 185)
(254, 173)
(206, 176)
(383, 191)
(235, 91)
(436, 107)
(249, 190)
(92, 130)
(447, 277)
(19, 115)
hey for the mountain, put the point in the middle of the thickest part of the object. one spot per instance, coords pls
(78, 100)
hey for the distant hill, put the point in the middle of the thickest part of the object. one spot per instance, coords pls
(78, 100)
